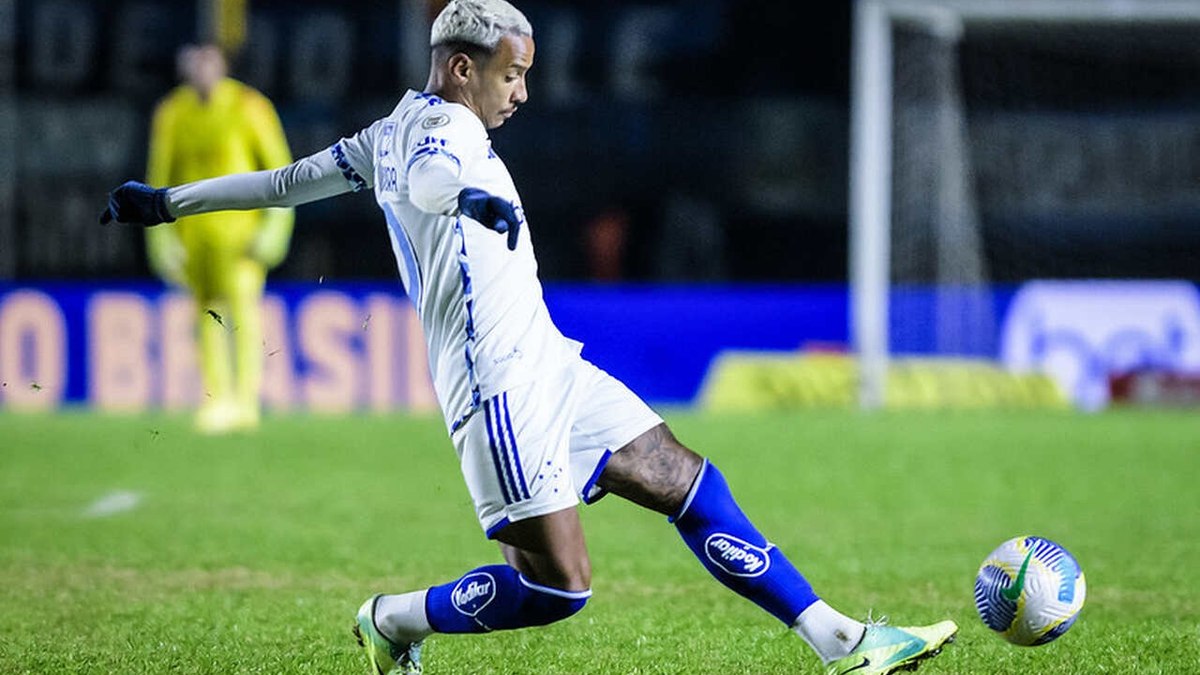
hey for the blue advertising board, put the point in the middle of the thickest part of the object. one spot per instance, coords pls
(359, 346)
(346, 346)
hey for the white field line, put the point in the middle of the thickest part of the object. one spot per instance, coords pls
(118, 501)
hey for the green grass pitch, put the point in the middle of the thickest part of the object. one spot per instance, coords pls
(251, 554)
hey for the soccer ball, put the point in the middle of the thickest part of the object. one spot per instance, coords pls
(1030, 591)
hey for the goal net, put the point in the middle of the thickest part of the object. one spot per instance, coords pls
(996, 142)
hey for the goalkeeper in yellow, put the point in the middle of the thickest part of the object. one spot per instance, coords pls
(212, 125)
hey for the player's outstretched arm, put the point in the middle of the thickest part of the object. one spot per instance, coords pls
(310, 179)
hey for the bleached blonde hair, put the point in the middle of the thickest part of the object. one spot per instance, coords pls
(478, 22)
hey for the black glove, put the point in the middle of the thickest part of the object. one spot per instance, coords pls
(138, 204)
(492, 212)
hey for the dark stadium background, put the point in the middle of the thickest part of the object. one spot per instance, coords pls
(712, 134)
(734, 117)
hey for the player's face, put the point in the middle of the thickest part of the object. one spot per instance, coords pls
(500, 87)
(203, 67)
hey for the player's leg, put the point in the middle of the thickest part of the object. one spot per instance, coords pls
(216, 413)
(653, 469)
(245, 300)
(549, 550)
(656, 471)
(547, 578)
(514, 460)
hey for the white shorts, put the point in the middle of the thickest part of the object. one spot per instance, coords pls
(540, 447)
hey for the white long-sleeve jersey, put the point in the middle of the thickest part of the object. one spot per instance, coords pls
(481, 307)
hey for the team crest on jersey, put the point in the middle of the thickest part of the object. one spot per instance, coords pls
(737, 557)
(473, 592)
(435, 121)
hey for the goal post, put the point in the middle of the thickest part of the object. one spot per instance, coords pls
(874, 149)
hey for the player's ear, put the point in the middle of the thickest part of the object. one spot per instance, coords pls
(461, 67)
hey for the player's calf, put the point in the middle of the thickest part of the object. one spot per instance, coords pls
(493, 597)
(497, 597)
(658, 472)
(736, 553)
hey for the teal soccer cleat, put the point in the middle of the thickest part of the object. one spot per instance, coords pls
(887, 649)
(386, 657)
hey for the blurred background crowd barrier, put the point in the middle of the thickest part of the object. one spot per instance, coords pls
(655, 146)
(686, 169)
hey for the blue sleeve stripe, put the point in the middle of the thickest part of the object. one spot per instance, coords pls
(430, 151)
(339, 157)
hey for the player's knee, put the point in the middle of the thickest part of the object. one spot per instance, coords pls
(573, 576)
(579, 573)
(654, 470)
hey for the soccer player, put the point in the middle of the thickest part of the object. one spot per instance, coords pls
(212, 125)
(536, 427)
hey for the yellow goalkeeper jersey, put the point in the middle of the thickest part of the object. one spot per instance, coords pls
(235, 130)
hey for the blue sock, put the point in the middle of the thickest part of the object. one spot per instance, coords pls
(734, 552)
(497, 597)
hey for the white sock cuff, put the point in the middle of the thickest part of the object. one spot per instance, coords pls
(548, 590)
(401, 618)
(830, 633)
(687, 502)
(812, 612)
